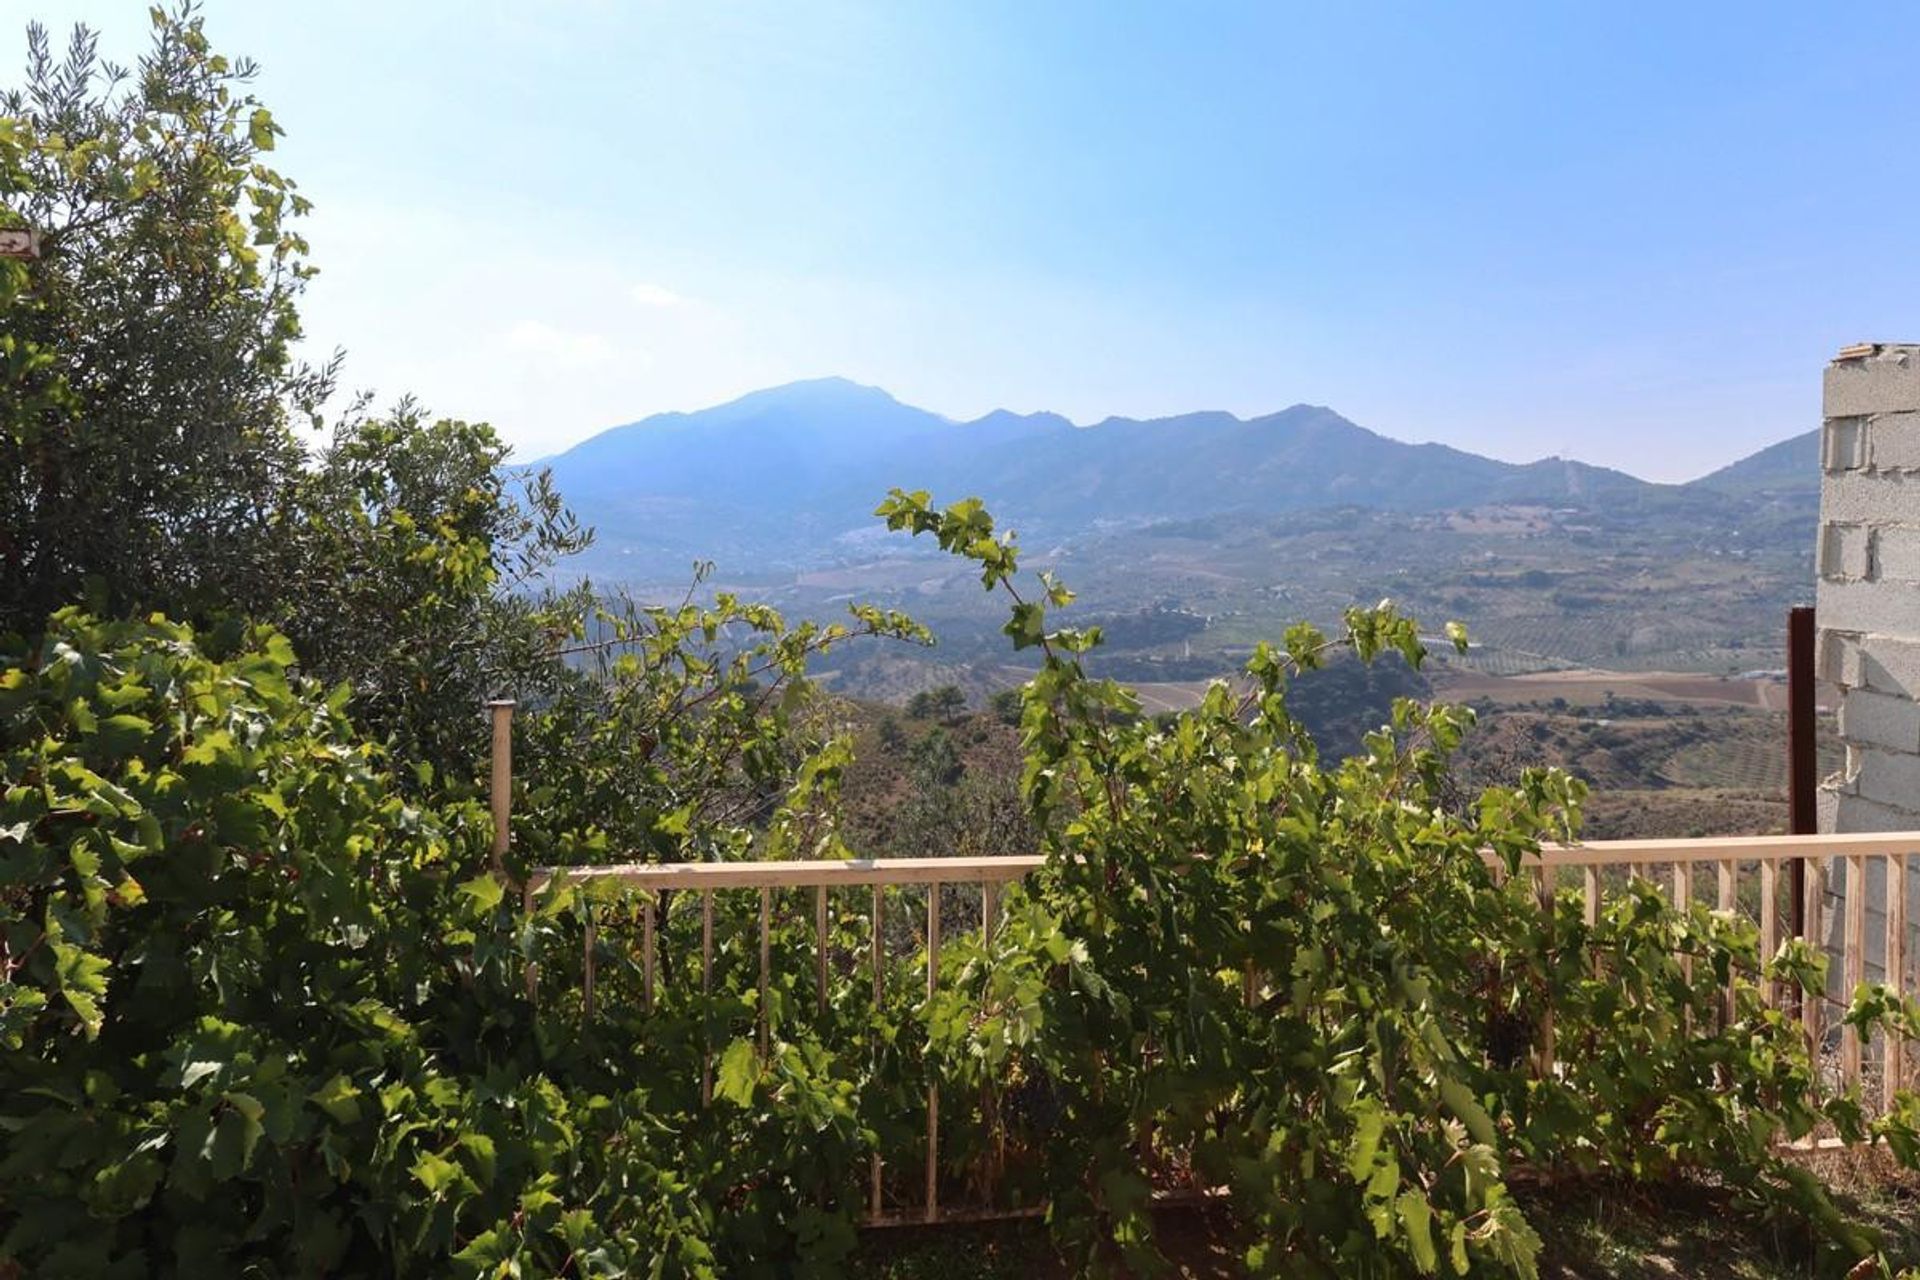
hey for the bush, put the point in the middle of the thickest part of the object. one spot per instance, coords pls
(1315, 986)
(262, 1016)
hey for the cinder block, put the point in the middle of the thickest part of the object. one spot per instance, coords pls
(1890, 778)
(1869, 497)
(1882, 608)
(1880, 720)
(1893, 442)
(1889, 664)
(1896, 553)
(1836, 658)
(1826, 807)
(1887, 382)
(1844, 551)
(1858, 813)
(1843, 444)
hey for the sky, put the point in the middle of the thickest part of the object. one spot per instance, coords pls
(1630, 234)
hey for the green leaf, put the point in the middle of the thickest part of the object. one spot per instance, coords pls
(82, 979)
(738, 1073)
(1028, 625)
(435, 1173)
(1416, 1217)
(260, 129)
(1369, 1124)
(484, 891)
(339, 1098)
(1460, 1100)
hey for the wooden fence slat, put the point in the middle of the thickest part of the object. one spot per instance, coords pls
(933, 1089)
(875, 1197)
(1543, 895)
(1854, 964)
(1893, 1047)
(1728, 898)
(766, 966)
(820, 941)
(588, 965)
(647, 949)
(1590, 882)
(533, 966)
(1769, 925)
(1683, 903)
(706, 992)
(1813, 1007)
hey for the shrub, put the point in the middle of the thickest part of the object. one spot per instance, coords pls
(1328, 988)
(260, 1015)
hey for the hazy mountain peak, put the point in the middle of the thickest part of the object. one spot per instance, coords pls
(813, 393)
(779, 476)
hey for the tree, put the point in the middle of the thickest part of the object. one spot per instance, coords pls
(148, 387)
(416, 555)
(934, 762)
(148, 400)
(946, 702)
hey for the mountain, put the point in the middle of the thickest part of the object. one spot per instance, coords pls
(1790, 467)
(785, 478)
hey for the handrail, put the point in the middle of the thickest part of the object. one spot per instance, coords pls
(1602, 853)
(830, 873)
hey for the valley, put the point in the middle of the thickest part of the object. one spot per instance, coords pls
(1631, 632)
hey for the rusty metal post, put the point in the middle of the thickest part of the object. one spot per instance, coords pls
(1803, 818)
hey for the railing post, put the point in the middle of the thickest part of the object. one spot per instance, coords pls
(1812, 901)
(820, 938)
(646, 952)
(533, 966)
(1683, 904)
(875, 1198)
(706, 994)
(1854, 964)
(1728, 900)
(500, 785)
(933, 1088)
(588, 965)
(1543, 895)
(1769, 925)
(1893, 1048)
(766, 967)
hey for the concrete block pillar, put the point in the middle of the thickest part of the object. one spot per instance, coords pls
(1867, 607)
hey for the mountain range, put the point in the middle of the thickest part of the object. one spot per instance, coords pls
(784, 479)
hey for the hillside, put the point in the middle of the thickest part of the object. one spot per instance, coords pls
(1790, 467)
(1191, 538)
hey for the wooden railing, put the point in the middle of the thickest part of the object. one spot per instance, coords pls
(1738, 862)
(1746, 877)
(649, 880)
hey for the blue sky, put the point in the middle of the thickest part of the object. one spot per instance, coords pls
(1626, 233)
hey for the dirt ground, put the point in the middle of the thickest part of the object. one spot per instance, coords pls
(1588, 686)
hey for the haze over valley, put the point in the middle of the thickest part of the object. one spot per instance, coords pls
(1191, 537)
